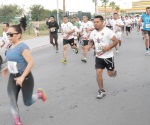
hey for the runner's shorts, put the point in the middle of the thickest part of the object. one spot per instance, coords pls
(118, 35)
(68, 41)
(128, 29)
(146, 32)
(107, 63)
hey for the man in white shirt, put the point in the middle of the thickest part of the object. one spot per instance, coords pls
(117, 28)
(104, 39)
(128, 24)
(86, 28)
(5, 41)
(68, 37)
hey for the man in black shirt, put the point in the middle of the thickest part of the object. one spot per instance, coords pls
(53, 29)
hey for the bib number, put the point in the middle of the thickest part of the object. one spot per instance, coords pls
(147, 25)
(12, 67)
(52, 29)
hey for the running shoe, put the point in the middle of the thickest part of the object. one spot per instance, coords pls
(19, 123)
(76, 51)
(115, 74)
(43, 97)
(119, 44)
(84, 60)
(56, 50)
(101, 94)
(64, 61)
(117, 51)
(147, 52)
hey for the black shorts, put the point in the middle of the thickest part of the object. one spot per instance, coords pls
(109, 27)
(128, 29)
(85, 42)
(68, 41)
(146, 32)
(107, 63)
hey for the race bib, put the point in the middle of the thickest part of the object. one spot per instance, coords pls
(147, 25)
(52, 29)
(12, 67)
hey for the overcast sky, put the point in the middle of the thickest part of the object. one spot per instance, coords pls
(71, 5)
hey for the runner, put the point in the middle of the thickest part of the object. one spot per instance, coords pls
(37, 27)
(117, 29)
(53, 30)
(68, 38)
(103, 38)
(128, 24)
(138, 23)
(5, 40)
(86, 28)
(146, 28)
(19, 64)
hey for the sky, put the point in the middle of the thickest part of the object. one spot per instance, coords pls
(71, 5)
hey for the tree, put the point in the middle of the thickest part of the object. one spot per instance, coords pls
(104, 3)
(11, 11)
(95, 1)
(117, 8)
(112, 5)
(37, 12)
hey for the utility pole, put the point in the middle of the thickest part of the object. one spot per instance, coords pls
(64, 6)
(57, 12)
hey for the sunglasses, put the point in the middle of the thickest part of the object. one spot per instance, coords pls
(11, 34)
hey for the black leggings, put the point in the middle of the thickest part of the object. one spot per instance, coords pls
(27, 91)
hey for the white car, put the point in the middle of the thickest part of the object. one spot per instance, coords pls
(2, 54)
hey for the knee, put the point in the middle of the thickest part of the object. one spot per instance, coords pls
(27, 102)
(99, 73)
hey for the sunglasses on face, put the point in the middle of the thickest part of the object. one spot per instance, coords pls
(11, 34)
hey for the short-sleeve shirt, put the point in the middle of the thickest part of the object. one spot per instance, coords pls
(84, 27)
(15, 55)
(128, 22)
(6, 40)
(101, 39)
(66, 27)
(117, 28)
(146, 20)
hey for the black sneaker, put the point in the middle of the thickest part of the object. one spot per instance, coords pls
(115, 74)
(101, 94)
(84, 60)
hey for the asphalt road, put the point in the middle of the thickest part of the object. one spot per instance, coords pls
(71, 89)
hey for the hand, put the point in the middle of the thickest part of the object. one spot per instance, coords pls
(4, 72)
(19, 80)
(105, 48)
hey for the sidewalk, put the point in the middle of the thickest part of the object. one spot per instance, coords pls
(41, 41)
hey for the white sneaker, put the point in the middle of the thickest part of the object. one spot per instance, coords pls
(100, 94)
(147, 52)
(117, 51)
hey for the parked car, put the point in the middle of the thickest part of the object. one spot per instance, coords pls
(2, 54)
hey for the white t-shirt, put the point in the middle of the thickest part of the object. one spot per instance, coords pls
(6, 40)
(138, 21)
(117, 28)
(128, 22)
(84, 27)
(76, 32)
(101, 39)
(66, 27)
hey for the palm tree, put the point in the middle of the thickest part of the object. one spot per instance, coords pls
(95, 1)
(117, 8)
(104, 3)
(64, 6)
(112, 5)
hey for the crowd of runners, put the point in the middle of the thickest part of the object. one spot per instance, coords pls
(98, 35)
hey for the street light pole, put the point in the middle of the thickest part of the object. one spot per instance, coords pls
(57, 12)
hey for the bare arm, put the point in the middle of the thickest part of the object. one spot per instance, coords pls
(27, 56)
(115, 42)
